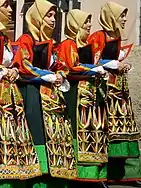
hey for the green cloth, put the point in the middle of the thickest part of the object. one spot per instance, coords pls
(39, 182)
(92, 172)
(123, 149)
(47, 182)
(12, 184)
(41, 152)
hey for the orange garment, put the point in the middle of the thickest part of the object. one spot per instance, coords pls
(23, 51)
(67, 54)
(98, 40)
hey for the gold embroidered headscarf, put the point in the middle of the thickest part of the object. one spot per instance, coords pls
(3, 18)
(38, 27)
(74, 25)
(108, 18)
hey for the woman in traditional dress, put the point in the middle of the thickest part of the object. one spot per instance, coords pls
(85, 100)
(18, 159)
(44, 103)
(123, 152)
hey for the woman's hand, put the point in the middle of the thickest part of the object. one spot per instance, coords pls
(127, 67)
(59, 80)
(12, 74)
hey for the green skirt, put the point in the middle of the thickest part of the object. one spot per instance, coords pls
(123, 152)
(92, 167)
(33, 109)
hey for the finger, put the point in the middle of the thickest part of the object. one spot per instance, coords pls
(12, 78)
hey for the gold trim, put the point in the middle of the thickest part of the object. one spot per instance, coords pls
(63, 173)
(92, 157)
(15, 172)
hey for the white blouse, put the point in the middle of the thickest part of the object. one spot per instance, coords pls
(7, 57)
(7, 61)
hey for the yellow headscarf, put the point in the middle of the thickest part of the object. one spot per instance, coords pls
(74, 25)
(39, 29)
(3, 18)
(108, 18)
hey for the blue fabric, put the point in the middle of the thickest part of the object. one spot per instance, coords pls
(36, 74)
(88, 73)
(37, 71)
(88, 65)
(104, 61)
